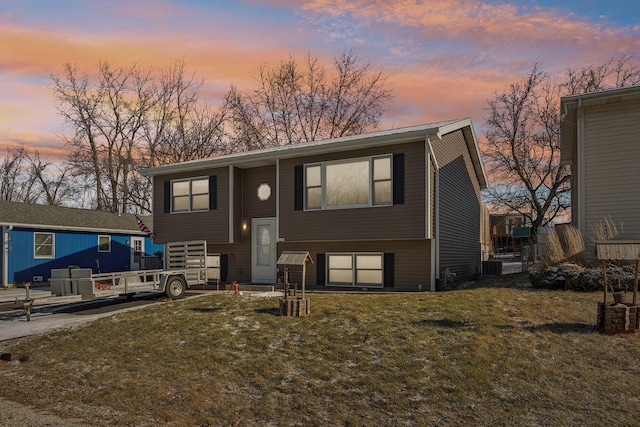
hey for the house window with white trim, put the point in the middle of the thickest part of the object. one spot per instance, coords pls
(189, 195)
(104, 243)
(355, 269)
(349, 183)
(44, 245)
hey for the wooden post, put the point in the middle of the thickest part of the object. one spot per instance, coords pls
(635, 283)
(604, 278)
(304, 275)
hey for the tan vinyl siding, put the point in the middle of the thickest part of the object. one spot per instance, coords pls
(399, 221)
(252, 206)
(411, 260)
(238, 190)
(238, 259)
(611, 168)
(210, 225)
(459, 204)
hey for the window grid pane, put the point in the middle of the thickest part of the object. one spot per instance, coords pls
(347, 184)
(190, 195)
(43, 245)
(104, 243)
(200, 202)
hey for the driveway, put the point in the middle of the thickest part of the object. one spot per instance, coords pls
(14, 323)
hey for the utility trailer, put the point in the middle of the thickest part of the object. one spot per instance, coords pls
(186, 264)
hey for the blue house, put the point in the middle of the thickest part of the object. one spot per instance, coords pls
(38, 238)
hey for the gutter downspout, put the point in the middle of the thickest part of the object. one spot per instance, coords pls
(434, 235)
(5, 254)
(580, 148)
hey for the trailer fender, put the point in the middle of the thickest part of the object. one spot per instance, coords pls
(175, 287)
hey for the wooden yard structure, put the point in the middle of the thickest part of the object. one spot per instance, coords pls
(292, 304)
(619, 317)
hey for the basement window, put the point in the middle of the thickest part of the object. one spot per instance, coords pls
(355, 269)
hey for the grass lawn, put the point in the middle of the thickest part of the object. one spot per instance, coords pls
(492, 354)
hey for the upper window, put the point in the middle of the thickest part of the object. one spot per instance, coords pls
(351, 183)
(43, 245)
(189, 195)
(104, 243)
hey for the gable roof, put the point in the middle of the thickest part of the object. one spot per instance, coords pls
(63, 218)
(268, 156)
(569, 106)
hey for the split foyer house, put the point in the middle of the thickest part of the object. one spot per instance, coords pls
(394, 209)
(38, 238)
(600, 138)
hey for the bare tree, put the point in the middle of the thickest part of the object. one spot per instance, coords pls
(297, 102)
(55, 188)
(616, 72)
(16, 184)
(129, 118)
(522, 151)
(26, 178)
(180, 128)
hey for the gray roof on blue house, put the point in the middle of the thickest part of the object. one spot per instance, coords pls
(63, 218)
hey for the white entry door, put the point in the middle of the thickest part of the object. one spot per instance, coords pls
(263, 250)
(137, 249)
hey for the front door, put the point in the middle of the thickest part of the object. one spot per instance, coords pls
(263, 250)
(137, 249)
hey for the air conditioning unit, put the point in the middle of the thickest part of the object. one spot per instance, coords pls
(37, 279)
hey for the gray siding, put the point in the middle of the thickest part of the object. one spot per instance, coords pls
(611, 169)
(459, 205)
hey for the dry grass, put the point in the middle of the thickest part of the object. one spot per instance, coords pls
(493, 354)
(606, 229)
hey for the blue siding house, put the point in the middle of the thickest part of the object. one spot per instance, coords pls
(38, 238)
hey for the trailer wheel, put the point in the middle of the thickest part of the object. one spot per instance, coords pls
(175, 287)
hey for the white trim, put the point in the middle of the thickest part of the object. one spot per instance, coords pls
(230, 203)
(256, 278)
(6, 229)
(430, 158)
(67, 228)
(277, 233)
(132, 252)
(104, 235)
(580, 173)
(435, 266)
(53, 245)
(268, 156)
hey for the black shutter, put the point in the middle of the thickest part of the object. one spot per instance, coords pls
(388, 270)
(398, 179)
(224, 267)
(320, 264)
(213, 192)
(298, 184)
(167, 197)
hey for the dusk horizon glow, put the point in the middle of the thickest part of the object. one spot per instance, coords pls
(442, 59)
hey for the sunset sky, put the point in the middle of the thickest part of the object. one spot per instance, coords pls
(443, 58)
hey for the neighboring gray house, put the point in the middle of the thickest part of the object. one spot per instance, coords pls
(393, 209)
(600, 138)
